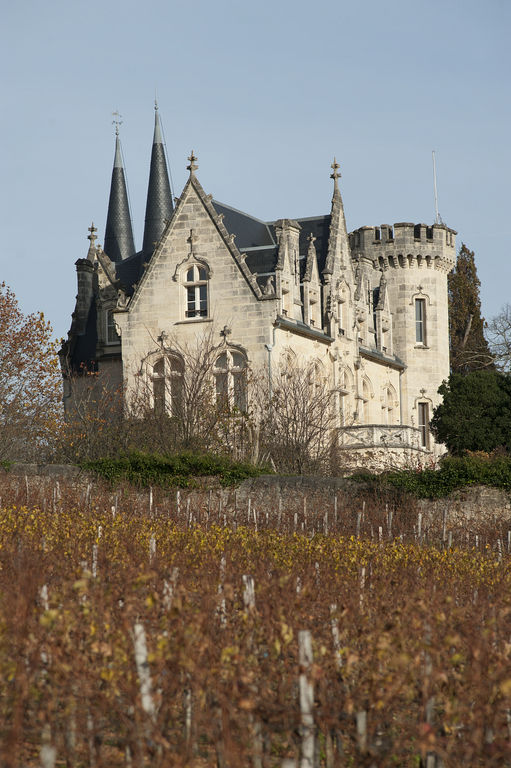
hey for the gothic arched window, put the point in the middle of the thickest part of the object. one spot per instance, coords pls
(230, 372)
(196, 290)
(366, 397)
(167, 385)
(345, 390)
(112, 337)
(387, 406)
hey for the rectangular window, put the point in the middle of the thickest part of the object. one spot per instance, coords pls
(420, 321)
(424, 424)
(112, 337)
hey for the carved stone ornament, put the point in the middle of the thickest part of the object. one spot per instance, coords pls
(122, 299)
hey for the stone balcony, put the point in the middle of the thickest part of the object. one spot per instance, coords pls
(364, 436)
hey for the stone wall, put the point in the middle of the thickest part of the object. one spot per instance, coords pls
(473, 504)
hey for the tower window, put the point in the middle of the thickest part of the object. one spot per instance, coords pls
(420, 321)
(424, 424)
(196, 287)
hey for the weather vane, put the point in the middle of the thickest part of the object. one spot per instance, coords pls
(116, 121)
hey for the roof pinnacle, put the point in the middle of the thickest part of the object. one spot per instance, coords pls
(335, 175)
(92, 237)
(192, 167)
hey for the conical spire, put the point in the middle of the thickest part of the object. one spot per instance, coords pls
(119, 243)
(159, 197)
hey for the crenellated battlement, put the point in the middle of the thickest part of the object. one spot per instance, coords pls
(404, 243)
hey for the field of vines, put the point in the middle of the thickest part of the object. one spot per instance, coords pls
(145, 629)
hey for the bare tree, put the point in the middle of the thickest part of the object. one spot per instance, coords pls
(192, 397)
(298, 423)
(95, 426)
(499, 338)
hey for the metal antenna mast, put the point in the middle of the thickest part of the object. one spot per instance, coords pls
(438, 218)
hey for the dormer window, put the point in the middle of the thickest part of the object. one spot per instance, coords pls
(196, 288)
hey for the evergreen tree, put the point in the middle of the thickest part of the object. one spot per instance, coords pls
(468, 347)
(475, 412)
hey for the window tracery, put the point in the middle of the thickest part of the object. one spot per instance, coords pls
(230, 373)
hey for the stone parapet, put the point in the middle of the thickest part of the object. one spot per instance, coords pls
(380, 436)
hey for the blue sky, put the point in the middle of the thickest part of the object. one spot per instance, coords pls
(266, 94)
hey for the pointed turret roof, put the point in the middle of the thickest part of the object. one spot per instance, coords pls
(159, 197)
(119, 243)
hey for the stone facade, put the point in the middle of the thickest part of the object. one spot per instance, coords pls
(370, 307)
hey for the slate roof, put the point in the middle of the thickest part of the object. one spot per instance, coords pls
(118, 243)
(159, 205)
(254, 237)
(319, 227)
(250, 232)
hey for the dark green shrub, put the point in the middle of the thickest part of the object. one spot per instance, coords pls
(173, 470)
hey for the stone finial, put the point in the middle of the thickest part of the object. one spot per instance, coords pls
(193, 166)
(225, 332)
(162, 339)
(192, 240)
(335, 175)
(311, 240)
(92, 237)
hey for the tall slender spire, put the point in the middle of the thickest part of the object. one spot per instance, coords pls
(338, 245)
(159, 197)
(119, 243)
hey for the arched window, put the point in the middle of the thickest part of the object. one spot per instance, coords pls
(388, 406)
(345, 390)
(196, 288)
(167, 385)
(366, 396)
(112, 337)
(230, 373)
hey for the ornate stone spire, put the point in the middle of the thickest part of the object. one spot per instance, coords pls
(159, 197)
(119, 243)
(338, 245)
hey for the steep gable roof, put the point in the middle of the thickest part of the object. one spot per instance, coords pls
(217, 219)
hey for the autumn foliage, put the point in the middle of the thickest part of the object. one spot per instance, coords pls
(30, 382)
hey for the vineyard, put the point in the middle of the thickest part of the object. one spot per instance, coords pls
(139, 628)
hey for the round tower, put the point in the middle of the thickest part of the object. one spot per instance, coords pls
(415, 259)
